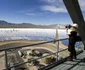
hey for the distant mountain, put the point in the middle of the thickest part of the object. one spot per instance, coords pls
(57, 26)
(4, 24)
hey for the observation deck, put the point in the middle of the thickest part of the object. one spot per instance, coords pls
(78, 64)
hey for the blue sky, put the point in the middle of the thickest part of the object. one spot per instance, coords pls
(36, 11)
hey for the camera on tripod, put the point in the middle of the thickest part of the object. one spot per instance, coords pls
(68, 26)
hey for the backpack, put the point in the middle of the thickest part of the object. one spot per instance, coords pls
(78, 38)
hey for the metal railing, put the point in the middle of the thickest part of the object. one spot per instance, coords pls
(30, 45)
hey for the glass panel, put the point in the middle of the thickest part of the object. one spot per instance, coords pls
(2, 60)
(63, 44)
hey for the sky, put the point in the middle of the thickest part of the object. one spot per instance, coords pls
(42, 12)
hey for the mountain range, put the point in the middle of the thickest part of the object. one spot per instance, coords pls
(4, 24)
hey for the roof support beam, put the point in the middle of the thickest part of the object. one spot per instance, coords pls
(75, 13)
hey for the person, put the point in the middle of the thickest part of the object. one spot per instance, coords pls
(72, 33)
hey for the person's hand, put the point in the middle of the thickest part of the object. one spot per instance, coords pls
(66, 29)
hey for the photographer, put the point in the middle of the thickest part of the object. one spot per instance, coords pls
(71, 31)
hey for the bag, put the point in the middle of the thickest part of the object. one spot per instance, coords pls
(78, 38)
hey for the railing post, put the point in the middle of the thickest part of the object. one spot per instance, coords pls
(57, 49)
(6, 60)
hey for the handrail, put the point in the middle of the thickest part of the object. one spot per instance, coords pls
(6, 49)
(35, 59)
(32, 44)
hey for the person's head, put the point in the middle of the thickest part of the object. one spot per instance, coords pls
(74, 27)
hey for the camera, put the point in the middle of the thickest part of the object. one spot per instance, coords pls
(68, 26)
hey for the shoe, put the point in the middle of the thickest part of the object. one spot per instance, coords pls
(69, 59)
(74, 57)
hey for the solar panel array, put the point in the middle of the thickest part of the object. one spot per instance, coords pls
(27, 34)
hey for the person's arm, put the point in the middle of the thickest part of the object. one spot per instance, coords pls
(68, 32)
